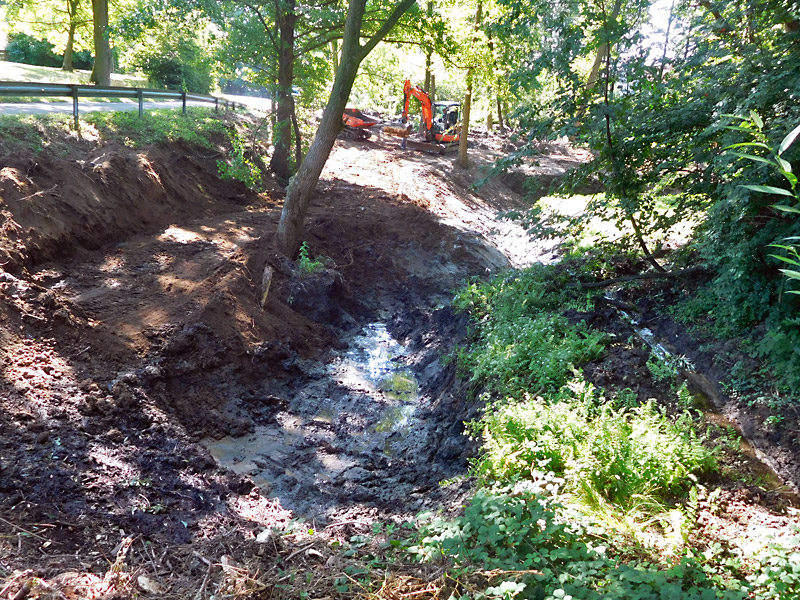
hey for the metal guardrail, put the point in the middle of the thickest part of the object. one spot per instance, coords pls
(76, 91)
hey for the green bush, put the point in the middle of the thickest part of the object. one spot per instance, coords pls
(520, 342)
(23, 48)
(623, 455)
(240, 166)
(777, 573)
(177, 65)
(526, 548)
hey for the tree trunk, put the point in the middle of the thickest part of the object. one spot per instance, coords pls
(67, 64)
(335, 56)
(501, 123)
(103, 61)
(463, 158)
(463, 142)
(303, 184)
(666, 43)
(72, 14)
(282, 133)
(602, 49)
(298, 140)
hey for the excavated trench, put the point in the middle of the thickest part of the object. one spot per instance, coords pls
(374, 424)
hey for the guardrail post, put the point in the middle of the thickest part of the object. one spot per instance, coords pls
(140, 96)
(75, 107)
(216, 104)
(183, 99)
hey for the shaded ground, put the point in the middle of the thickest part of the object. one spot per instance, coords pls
(133, 329)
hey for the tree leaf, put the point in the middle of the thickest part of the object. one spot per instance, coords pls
(786, 260)
(756, 119)
(754, 157)
(785, 165)
(785, 208)
(787, 141)
(740, 144)
(768, 189)
(791, 273)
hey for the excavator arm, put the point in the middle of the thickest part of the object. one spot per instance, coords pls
(427, 107)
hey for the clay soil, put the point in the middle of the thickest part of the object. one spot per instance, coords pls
(134, 327)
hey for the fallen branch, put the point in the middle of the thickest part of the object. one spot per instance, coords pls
(648, 275)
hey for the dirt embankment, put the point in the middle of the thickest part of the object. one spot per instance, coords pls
(133, 327)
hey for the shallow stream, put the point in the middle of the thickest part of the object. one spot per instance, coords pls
(349, 435)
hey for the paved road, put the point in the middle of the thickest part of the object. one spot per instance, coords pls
(44, 108)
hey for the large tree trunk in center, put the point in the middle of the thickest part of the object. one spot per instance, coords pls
(101, 73)
(303, 184)
(282, 133)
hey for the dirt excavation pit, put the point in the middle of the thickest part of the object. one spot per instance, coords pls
(148, 394)
(132, 330)
(359, 428)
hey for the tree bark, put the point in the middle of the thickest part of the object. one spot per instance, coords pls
(103, 61)
(602, 49)
(282, 133)
(335, 56)
(303, 184)
(72, 14)
(68, 50)
(463, 141)
(463, 157)
(501, 125)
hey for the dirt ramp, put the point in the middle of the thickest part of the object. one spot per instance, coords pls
(52, 206)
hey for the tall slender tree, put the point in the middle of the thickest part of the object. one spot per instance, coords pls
(103, 61)
(302, 186)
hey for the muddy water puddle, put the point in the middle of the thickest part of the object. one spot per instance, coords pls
(347, 435)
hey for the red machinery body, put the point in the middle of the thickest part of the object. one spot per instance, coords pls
(356, 124)
(440, 119)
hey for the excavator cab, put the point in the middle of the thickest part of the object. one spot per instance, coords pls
(445, 120)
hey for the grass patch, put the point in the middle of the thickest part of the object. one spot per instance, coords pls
(200, 126)
(34, 133)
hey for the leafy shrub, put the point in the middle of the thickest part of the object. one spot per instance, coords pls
(777, 573)
(305, 262)
(520, 344)
(621, 455)
(177, 65)
(83, 59)
(240, 166)
(525, 547)
(23, 48)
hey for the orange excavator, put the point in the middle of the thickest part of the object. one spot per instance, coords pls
(440, 119)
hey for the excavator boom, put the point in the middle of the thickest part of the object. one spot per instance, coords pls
(425, 100)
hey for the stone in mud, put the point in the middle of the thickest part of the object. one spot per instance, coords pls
(357, 474)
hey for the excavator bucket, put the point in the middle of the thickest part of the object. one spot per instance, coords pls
(428, 147)
(398, 129)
